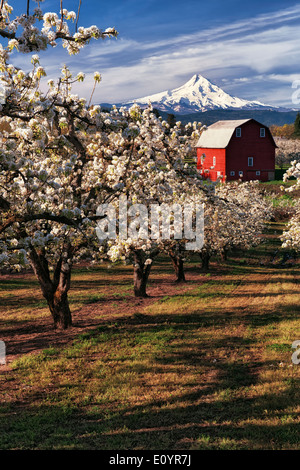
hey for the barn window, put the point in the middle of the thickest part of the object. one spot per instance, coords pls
(238, 132)
(258, 173)
(232, 173)
(250, 161)
(214, 161)
(241, 173)
(262, 132)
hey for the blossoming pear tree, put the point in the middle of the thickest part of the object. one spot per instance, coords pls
(61, 159)
(237, 221)
(57, 166)
(159, 181)
(234, 217)
(291, 236)
(160, 176)
(287, 151)
(49, 179)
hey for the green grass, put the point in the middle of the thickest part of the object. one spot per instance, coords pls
(207, 366)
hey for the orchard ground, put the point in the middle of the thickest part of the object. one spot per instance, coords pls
(201, 365)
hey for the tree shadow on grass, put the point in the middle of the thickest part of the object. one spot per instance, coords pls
(218, 316)
(193, 419)
(219, 410)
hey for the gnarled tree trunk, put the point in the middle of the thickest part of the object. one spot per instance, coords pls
(141, 273)
(224, 254)
(205, 257)
(178, 267)
(58, 301)
(55, 290)
(60, 310)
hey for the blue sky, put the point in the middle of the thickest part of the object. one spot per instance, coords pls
(250, 49)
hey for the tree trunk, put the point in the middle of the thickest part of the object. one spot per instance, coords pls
(205, 257)
(55, 291)
(140, 275)
(60, 310)
(178, 267)
(224, 254)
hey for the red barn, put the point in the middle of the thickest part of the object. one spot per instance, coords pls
(239, 149)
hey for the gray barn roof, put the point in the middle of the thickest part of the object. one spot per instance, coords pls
(218, 135)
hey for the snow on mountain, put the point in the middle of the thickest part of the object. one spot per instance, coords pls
(198, 94)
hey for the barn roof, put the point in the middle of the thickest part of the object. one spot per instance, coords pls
(219, 134)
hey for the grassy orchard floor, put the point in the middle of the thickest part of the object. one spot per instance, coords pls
(206, 365)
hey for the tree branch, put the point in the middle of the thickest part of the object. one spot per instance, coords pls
(78, 12)
(58, 35)
(61, 219)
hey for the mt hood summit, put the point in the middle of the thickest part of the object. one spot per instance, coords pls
(198, 94)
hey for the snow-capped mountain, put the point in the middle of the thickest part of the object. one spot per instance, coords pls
(198, 94)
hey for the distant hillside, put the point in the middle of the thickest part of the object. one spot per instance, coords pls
(278, 118)
(266, 117)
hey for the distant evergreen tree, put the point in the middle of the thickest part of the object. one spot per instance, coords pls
(297, 126)
(171, 120)
(156, 112)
